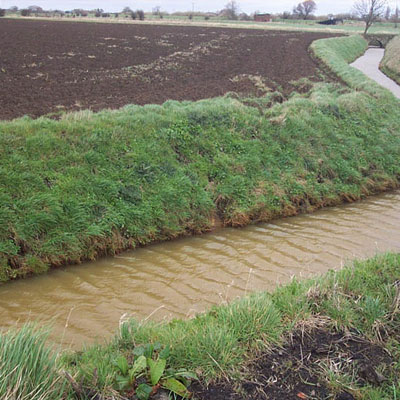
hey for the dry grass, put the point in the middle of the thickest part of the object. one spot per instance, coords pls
(390, 64)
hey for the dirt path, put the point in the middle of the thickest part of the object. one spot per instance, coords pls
(369, 65)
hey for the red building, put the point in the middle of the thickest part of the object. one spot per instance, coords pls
(262, 17)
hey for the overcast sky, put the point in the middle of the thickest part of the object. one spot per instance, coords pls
(248, 6)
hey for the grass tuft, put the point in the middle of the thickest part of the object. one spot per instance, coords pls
(28, 369)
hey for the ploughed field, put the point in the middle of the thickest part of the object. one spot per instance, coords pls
(47, 66)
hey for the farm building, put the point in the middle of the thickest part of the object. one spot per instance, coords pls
(262, 17)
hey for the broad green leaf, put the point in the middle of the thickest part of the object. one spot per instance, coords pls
(164, 353)
(156, 369)
(143, 391)
(138, 367)
(176, 387)
(123, 382)
(122, 363)
(186, 374)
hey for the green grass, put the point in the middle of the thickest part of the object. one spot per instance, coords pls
(337, 53)
(390, 63)
(95, 184)
(28, 369)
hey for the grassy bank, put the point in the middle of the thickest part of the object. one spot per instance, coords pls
(390, 63)
(358, 306)
(95, 184)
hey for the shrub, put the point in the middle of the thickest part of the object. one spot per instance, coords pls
(140, 14)
(2, 12)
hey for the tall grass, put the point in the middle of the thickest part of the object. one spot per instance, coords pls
(390, 64)
(28, 369)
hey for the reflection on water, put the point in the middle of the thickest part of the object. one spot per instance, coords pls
(186, 276)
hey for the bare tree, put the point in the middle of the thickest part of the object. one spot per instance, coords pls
(231, 10)
(388, 13)
(370, 11)
(305, 9)
(396, 17)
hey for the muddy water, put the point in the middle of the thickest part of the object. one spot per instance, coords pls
(369, 65)
(186, 276)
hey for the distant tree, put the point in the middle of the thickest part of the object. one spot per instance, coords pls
(396, 16)
(388, 13)
(25, 12)
(156, 10)
(2, 12)
(305, 9)
(35, 9)
(140, 14)
(286, 15)
(13, 9)
(98, 13)
(127, 10)
(133, 15)
(369, 11)
(231, 10)
(244, 17)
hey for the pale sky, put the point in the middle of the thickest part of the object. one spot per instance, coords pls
(248, 6)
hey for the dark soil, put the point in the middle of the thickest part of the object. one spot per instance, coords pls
(298, 370)
(48, 66)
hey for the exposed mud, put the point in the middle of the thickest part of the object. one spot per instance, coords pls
(49, 67)
(301, 369)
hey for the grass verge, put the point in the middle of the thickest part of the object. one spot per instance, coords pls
(95, 184)
(390, 63)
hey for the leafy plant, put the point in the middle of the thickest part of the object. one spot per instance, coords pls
(148, 372)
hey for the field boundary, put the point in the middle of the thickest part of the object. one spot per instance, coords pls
(214, 24)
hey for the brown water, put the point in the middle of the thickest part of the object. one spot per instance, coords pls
(180, 278)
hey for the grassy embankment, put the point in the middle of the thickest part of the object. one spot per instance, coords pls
(95, 184)
(390, 63)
